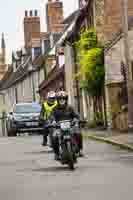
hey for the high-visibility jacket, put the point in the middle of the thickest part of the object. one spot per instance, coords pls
(48, 109)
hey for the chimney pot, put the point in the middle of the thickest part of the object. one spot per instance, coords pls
(36, 13)
(31, 13)
(26, 13)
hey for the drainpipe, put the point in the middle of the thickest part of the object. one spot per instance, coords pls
(31, 71)
(33, 87)
(105, 106)
(94, 13)
(77, 82)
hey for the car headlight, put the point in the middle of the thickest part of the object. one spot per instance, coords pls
(36, 117)
(17, 118)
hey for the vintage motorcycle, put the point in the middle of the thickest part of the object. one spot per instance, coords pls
(68, 148)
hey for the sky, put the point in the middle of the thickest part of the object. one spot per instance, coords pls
(11, 19)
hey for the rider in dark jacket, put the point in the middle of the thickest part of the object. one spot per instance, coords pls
(64, 112)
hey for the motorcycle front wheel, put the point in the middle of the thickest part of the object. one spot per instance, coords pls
(70, 155)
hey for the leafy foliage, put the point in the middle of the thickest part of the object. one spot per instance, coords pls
(90, 56)
(91, 60)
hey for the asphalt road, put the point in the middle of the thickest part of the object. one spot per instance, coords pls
(28, 172)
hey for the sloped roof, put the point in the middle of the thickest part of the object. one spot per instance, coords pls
(6, 76)
(71, 17)
(12, 77)
(56, 37)
(54, 74)
(38, 61)
(70, 29)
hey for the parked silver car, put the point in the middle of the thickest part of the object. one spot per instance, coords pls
(24, 118)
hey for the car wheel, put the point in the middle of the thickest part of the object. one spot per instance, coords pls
(12, 133)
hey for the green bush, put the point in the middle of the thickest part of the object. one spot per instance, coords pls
(99, 119)
(124, 108)
(92, 124)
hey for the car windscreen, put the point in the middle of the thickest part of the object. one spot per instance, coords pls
(27, 108)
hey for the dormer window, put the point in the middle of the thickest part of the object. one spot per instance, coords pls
(36, 51)
(45, 46)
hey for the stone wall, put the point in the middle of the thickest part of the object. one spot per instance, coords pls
(113, 58)
(113, 78)
(122, 122)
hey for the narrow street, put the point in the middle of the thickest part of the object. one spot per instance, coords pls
(28, 171)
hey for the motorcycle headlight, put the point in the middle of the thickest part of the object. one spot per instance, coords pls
(56, 133)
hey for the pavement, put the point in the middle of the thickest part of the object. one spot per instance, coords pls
(28, 171)
(123, 140)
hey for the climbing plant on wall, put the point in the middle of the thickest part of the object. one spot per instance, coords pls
(90, 56)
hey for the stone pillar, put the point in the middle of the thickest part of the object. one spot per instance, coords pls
(108, 108)
(113, 95)
(69, 74)
(85, 109)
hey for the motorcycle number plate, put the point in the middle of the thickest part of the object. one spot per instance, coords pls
(65, 125)
(67, 136)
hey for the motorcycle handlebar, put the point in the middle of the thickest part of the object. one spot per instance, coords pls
(54, 125)
(57, 125)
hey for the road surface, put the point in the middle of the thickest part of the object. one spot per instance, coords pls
(28, 171)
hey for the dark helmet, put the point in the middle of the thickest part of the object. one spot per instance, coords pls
(62, 98)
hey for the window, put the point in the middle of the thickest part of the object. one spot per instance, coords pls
(37, 51)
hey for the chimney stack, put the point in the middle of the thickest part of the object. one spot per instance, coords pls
(31, 26)
(54, 24)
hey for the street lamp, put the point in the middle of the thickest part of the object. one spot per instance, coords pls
(31, 70)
